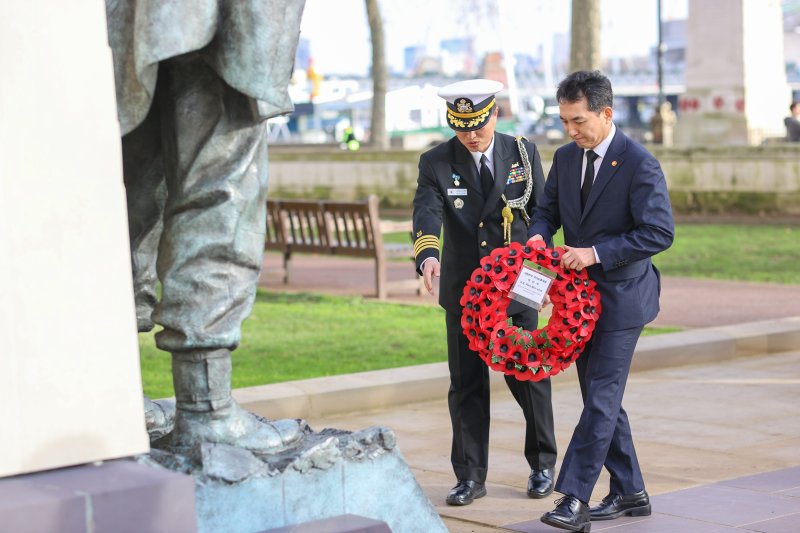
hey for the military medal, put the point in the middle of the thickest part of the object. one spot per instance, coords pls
(456, 182)
(458, 203)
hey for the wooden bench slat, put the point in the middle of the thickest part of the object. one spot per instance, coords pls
(334, 228)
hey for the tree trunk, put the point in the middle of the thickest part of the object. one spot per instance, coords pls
(378, 135)
(585, 39)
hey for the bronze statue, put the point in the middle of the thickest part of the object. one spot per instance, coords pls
(196, 81)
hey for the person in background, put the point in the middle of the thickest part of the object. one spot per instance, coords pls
(609, 196)
(466, 184)
(349, 141)
(792, 123)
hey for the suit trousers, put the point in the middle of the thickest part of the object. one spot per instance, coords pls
(468, 399)
(603, 434)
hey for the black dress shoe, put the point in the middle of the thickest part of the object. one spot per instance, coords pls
(465, 492)
(540, 483)
(616, 505)
(570, 513)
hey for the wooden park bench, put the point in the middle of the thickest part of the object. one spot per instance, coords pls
(337, 228)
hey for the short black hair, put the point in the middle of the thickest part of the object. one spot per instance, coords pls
(592, 85)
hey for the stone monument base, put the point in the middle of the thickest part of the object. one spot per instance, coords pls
(347, 523)
(121, 496)
(331, 473)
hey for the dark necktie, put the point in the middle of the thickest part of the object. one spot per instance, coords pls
(588, 177)
(487, 181)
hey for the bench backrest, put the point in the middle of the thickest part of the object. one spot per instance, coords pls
(324, 226)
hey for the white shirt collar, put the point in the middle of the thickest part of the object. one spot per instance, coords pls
(489, 153)
(602, 148)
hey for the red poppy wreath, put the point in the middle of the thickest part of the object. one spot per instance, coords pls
(528, 355)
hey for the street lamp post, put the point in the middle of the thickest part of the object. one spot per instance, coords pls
(660, 56)
(664, 118)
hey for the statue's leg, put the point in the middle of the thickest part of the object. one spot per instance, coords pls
(211, 250)
(206, 412)
(146, 191)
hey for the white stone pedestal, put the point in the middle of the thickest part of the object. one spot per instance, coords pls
(70, 388)
(736, 90)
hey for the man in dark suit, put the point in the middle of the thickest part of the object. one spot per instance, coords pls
(792, 123)
(465, 187)
(609, 196)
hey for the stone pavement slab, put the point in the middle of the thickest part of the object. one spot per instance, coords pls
(719, 446)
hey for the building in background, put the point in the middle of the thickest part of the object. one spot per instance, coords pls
(413, 111)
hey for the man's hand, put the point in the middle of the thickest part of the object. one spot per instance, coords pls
(430, 270)
(577, 258)
(536, 237)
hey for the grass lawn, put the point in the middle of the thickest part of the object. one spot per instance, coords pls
(299, 336)
(289, 337)
(760, 253)
(734, 252)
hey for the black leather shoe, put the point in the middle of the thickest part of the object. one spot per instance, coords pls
(616, 505)
(540, 483)
(570, 513)
(465, 492)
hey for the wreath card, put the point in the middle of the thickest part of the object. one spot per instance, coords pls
(532, 285)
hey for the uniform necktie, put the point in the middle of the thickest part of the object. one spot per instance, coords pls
(487, 181)
(588, 177)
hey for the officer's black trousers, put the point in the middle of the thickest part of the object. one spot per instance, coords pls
(468, 399)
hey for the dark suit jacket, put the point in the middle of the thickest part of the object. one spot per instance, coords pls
(792, 129)
(627, 218)
(473, 230)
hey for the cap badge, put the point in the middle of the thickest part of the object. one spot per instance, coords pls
(464, 105)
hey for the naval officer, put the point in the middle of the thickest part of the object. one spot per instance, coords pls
(478, 191)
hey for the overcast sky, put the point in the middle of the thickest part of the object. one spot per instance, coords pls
(339, 33)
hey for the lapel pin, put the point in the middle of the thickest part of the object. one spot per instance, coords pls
(613, 163)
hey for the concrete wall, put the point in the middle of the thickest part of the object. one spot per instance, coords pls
(703, 180)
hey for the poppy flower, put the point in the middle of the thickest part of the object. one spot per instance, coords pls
(494, 294)
(518, 354)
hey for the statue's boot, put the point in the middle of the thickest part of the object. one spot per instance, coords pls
(159, 417)
(206, 411)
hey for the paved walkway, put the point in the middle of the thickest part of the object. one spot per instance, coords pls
(719, 446)
(719, 443)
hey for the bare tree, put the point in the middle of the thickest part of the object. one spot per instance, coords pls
(378, 135)
(585, 39)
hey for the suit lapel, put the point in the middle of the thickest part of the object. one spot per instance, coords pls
(464, 166)
(612, 162)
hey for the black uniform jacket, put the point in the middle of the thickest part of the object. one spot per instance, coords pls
(449, 197)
